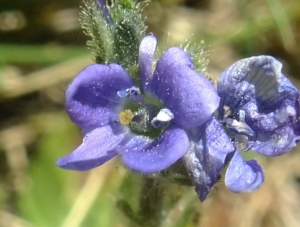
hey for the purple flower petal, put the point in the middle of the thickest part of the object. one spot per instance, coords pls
(270, 102)
(148, 156)
(209, 147)
(97, 148)
(276, 143)
(285, 114)
(92, 100)
(188, 94)
(146, 54)
(256, 78)
(243, 176)
(105, 12)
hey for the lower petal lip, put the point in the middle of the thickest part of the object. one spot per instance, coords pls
(151, 156)
(97, 148)
(210, 147)
(243, 176)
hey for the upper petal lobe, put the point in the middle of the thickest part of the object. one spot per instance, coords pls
(189, 95)
(91, 99)
(256, 78)
(146, 54)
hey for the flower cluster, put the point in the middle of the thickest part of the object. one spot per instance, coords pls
(172, 112)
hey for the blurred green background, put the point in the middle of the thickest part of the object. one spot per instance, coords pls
(42, 48)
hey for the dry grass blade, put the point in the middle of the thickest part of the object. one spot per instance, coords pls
(275, 204)
(43, 78)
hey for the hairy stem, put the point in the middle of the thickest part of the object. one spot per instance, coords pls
(151, 200)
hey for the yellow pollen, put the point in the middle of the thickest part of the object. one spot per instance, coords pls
(126, 117)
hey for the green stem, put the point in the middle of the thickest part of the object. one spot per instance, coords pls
(151, 200)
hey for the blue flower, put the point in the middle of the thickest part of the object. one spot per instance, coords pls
(260, 108)
(149, 126)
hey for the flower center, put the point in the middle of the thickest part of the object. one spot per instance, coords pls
(143, 114)
(141, 122)
(240, 129)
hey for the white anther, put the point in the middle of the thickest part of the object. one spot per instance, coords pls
(162, 118)
(133, 93)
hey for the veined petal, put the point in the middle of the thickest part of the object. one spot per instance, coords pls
(276, 132)
(286, 114)
(146, 54)
(188, 94)
(276, 143)
(256, 78)
(243, 176)
(148, 156)
(97, 148)
(209, 148)
(270, 101)
(91, 99)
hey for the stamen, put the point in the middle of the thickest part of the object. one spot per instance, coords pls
(133, 93)
(239, 127)
(241, 142)
(162, 118)
(126, 117)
